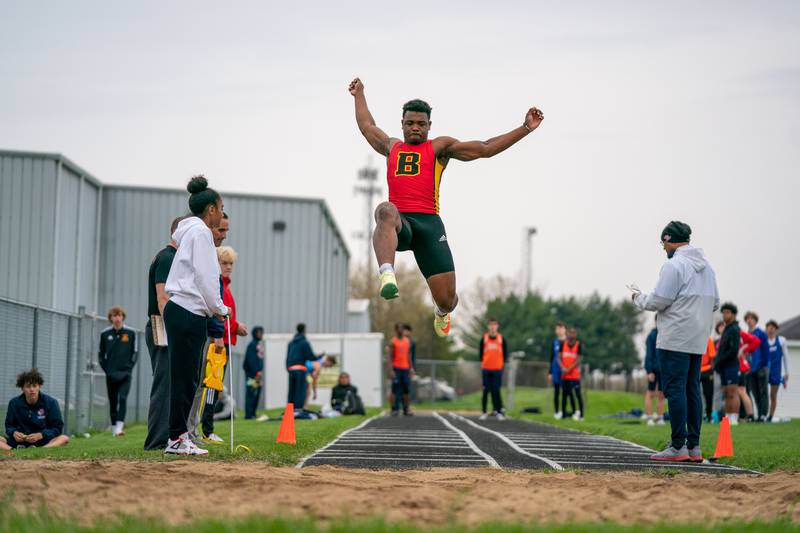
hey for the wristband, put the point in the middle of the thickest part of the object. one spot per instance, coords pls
(525, 125)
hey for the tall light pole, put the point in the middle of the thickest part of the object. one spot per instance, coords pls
(367, 186)
(527, 261)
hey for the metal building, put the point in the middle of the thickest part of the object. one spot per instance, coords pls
(70, 241)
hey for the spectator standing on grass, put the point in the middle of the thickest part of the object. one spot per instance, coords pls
(653, 381)
(759, 367)
(493, 351)
(727, 361)
(778, 360)
(707, 377)
(33, 419)
(253, 372)
(157, 298)
(749, 344)
(194, 289)
(554, 373)
(297, 353)
(570, 363)
(227, 257)
(117, 357)
(402, 369)
(684, 299)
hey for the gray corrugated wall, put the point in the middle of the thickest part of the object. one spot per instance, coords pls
(27, 211)
(281, 278)
(49, 237)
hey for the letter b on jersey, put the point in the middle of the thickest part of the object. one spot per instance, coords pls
(407, 164)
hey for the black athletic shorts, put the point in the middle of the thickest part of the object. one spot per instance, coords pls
(424, 234)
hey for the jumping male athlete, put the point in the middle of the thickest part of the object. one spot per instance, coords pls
(410, 219)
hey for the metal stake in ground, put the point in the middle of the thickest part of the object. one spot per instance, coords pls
(230, 376)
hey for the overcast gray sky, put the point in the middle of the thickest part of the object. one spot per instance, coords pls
(679, 110)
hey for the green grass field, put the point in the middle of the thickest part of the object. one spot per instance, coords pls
(42, 523)
(258, 436)
(762, 447)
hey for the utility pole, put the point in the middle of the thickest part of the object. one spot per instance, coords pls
(367, 187)
(527, 261)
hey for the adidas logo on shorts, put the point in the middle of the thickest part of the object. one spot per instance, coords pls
(443, 238)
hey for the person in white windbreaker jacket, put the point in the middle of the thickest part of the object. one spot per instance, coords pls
(684, 300)
(195, 294)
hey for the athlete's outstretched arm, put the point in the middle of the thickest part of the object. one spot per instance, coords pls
(375, 136)
(468, 150)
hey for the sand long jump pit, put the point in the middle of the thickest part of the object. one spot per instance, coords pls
(177, 492)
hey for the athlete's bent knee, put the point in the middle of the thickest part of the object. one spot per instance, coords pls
(387, 213)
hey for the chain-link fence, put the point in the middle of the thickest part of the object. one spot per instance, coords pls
(64, 347)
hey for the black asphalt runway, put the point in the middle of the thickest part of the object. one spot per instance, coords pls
(450, 440)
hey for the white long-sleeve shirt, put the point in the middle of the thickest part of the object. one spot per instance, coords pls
(194, 278)
(684, 300)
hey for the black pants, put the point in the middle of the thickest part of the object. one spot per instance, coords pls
(158, 413)
(251, 397)
(680, 376)
(118, 390)
(186, 334)
(759, 385)
(209, 410)
(707, 383)
(492, 381)
(571, 388)
(297, 388)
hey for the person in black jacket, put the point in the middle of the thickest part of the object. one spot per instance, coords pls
(117, 356)
(727, 361)
(253, 372)
(344, 397)
(298, 352)
(33, 419)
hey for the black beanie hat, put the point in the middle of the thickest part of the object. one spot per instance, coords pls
(676, 232)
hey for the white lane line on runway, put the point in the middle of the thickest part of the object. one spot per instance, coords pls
(514, 446)
(653, 464)
(334, 441)
(412, 459)
(489, 458)
(460, 445)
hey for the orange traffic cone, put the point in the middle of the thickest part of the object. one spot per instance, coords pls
(286, 432)
(724, 440)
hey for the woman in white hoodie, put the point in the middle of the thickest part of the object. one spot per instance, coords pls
(195, 295)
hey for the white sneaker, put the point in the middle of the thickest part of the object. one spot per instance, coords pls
(776, 420)
(212, 439)
(559, 415)
(577, 416)
(183, 445)
(500, 416)
(660, 421)
(651, 422)
(484, 416)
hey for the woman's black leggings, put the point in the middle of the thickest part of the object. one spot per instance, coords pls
(186, 336)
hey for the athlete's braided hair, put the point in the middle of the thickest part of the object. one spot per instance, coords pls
(418, 105)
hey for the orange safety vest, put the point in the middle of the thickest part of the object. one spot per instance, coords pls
(401, 348)
(707, 362)
(568, 356)
(492, 356)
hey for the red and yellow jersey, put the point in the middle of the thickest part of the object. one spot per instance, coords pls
(568, 356)
(492, 357)
(413, 175)
(401, 353)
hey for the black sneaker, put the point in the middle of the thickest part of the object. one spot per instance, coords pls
(395, 413)
(407, 412)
